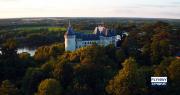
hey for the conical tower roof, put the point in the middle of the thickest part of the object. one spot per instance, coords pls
(70, 30)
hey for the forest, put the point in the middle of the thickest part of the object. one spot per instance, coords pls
(150, 49)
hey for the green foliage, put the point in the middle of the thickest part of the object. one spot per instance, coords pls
(91, 79)
(10, 62)
(45, 53)
(56, 29)
(49, 87)
(31, 80)
(64, 73)
(9, 48)
(173, 69)
(130, 45)
(146, 54)
(92, 54)
(110, 50)
(91, 70)
(174, 75)
(126, 81)
(169, 67)
(95, 55)
(26, 60)
(160, 44)
(24, 56)
(48, 67)
(57, 49)
(36, 38)
(7, 88)
(27, 35)
(75, 57)
(120, 55)
(162, 68)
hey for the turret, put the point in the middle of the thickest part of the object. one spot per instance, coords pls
(70, 37)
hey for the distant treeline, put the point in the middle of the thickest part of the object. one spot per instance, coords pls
(149, 50)
(43, 31)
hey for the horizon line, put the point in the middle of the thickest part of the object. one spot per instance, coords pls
(87, 17)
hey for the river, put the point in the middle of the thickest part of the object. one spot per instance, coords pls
(28, 50)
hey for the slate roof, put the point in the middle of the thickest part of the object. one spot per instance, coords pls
(99, 31)
(102, 31)
(70, 31)
(86, 37)
(178, 54)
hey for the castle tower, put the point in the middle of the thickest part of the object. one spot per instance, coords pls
(70, 37)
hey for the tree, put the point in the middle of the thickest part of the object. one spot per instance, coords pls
(24, 56)
(111, 51)
(74, 57)
(10, 63)
(126, 81)
(91, 79)
(49, 87)
(162, 68)
(7, 88)
(35, 39)
(9, 49)
(42, 54)
(161, 26)
(48, 68)
(120, 55)
(168, 68)
(63, 72)
(95, 55)
(130, 45)
(174, 76)
(160, 44)
(146, 54)
(31, 80)
(56, 50)
(45, 53)
(26, 60)
(91, 54)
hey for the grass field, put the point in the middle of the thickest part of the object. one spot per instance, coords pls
(53, 29)
(86, 31)
(39, 28)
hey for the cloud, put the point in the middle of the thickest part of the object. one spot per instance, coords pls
(135, 8)
(176, 2)
(160, 6)
(9, 0)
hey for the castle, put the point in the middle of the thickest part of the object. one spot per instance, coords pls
(101, 36)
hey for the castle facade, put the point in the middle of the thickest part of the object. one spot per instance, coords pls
(100, 36)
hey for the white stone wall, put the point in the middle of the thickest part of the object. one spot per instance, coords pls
(78, 43)
(70, 43)
(81, 43)
(106, 40)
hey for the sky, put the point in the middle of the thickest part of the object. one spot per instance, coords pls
(90, 8)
